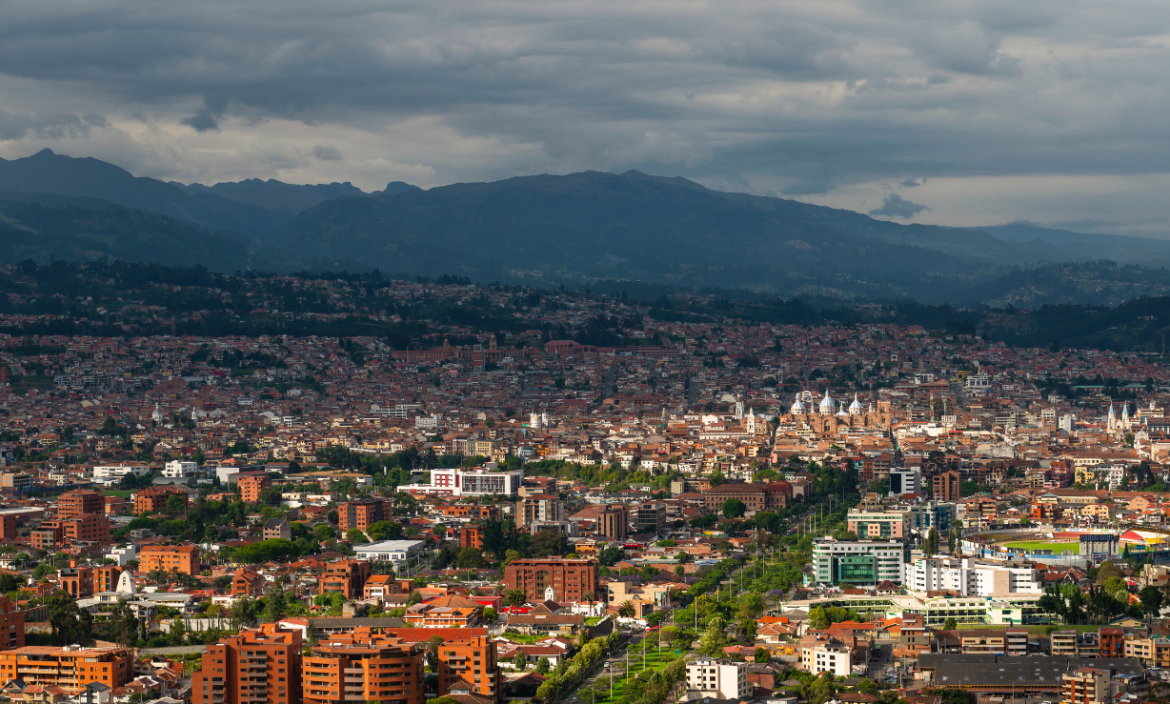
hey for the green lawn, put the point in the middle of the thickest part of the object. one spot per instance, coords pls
(654, 661)
(1044, 545)
(120, 493)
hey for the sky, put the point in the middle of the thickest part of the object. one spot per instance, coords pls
(956, 113)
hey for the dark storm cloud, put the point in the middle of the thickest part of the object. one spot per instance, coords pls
(814, 95)
(894, 206)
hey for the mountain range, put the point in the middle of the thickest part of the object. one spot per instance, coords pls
(549, 230)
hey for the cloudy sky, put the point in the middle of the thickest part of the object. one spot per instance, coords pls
(965, 113)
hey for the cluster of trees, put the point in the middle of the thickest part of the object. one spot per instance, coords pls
(1108, 598)
(565, 676)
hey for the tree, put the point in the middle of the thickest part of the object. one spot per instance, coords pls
(240, 612)
(1151, 602)
(818, 619)
(123, 625)
(274, 605)
(717, 478)
(549, 541)
(930, 546)
(542, 666)
(679, 570)
(1107, 571)
(682, 557)
(415, 598)
(626, 610)
(469, 558)
(385, 530)
(514, 597)
(866, 686)
(950, 624)
(733, 508)
(69, 623)
(354, 535)
(520, 661)
(714, 638)
(490, 615)
(762, 655)
(751, 606)
(8, 583)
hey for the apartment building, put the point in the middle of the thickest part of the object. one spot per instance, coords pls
(1088, 685)
(361, 666)
(539, 508)
(78, 502)
(981, 642)
(247, 582)
(361, 514)
(835, 658)
(718, 679)
(345, 576)
(88, 527)
(1111, 642)
(471, 661)
(11, 625)
(559, 579)
(251, 484)
(184, 558)
(257, 665)
(945, 486)
(154, 499)
(878, 525)
(71, 668)
(650, 518)
(380, 586)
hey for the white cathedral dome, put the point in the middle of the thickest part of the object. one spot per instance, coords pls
(797, 407)
(827, 405)
(855, 407)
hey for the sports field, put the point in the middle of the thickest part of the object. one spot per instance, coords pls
(1031, 545)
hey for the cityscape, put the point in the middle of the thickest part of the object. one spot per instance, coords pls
(564, 496)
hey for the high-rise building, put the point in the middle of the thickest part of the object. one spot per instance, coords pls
(251, 484)
(256, 665)
(75, 503)
(71, 668)
(946, 486)
(557, 578)
(905, 480)
(363, 667)
(612, 522)
(719, 679)
(155, 498)
(651, 518)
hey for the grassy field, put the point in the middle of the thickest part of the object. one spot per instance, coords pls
(1044, 545)
(654, 661)
(120, 493)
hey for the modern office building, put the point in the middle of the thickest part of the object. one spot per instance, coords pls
(859, 562)
(905, 480)
(972, 577)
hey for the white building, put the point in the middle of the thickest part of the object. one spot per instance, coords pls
(482, 481)
(905, 480)
(833, 658)
(111, 474)
(971, 577)
(225, 473)
(123, 554)
(717, 679)
(396, 551)
(177, 470)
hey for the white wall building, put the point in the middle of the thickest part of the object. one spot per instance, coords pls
(482, 481)
(111, 474)
(971, 577)
(831, 658)
(177, 470)
(714, 678)
(123, 554)
(905, 480)
(396, 551)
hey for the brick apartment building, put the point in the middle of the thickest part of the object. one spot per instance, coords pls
(945, 486)
(251, 484)
(247, 582)
(346, 576)
(360, 514)
(88, 527)
(258, 665)
(81, 501)
(71, 668)
(184, 558)
(7, 526)
(11, 625)
(472, 661)
(372, 668)
(155, 498)
(570, 580)
(471, 536)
